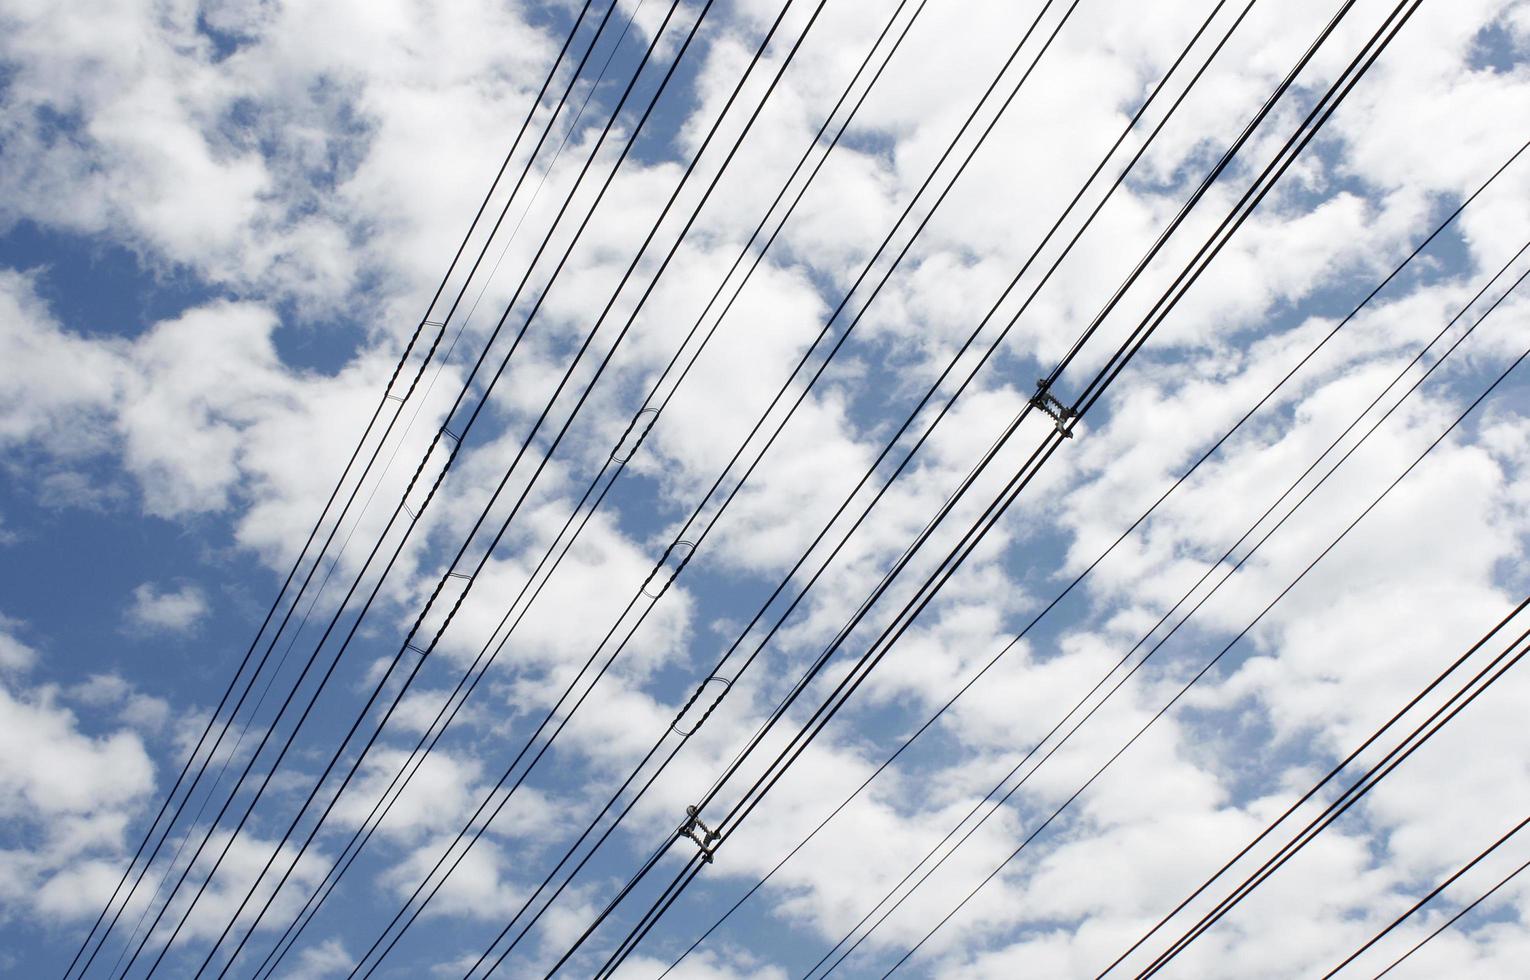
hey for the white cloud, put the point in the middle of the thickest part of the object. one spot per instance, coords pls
(310, 162)
(165, 611)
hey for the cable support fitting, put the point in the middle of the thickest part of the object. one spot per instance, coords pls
(705, 837)
(1062, 415)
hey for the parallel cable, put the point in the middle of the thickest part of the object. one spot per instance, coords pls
(1455, 918)
(654, 750)
(1205, 669)
(1431, 895)
(430, 386)
(471, 577)
(1078, 579)
(1022, 477)
(610, 471)
(838, 345)
(1185, 597)
(456, 436)
(1442, 715)
(313, 533)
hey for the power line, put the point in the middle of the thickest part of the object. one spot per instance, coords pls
(1055, 601)
(1455, 918)
(313, 533)
(1202, 672)
(627, 445)
(1038, 458)
(456, 436)
(1185, 597)
(471, 577)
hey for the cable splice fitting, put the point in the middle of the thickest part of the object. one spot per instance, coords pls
(1062, 416)
(705, 837)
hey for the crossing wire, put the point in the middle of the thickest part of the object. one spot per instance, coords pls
(996, 510)
(313, 533)
(560, 544)
(1078, 579)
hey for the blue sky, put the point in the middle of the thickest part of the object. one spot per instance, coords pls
(220, 222)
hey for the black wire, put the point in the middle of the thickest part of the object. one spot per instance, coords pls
(802, 396)
(276, 952)
(1455, 918)
(1204, 670)
(588, 514)
(313, 533)
(781, 587)
(1168, 614)
(650, 288)
(959, 554)
(1098, 559)
(1207, 919)
(1501, 664)
(1099, 318)
(457, 437)
(695, 213)
(620, 465)
(1429, 897)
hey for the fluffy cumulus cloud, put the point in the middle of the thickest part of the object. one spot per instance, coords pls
(168, 611)
(221, 223)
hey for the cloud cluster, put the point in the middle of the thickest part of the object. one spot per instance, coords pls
(307, 168)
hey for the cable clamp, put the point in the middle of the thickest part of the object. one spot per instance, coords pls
(705, 837)
(1061, 414)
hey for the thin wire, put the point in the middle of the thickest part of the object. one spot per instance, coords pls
(233, 683)
(458, 436)
(1455, 918)
(1038, 459)
(1097, 560)
(1204, 670)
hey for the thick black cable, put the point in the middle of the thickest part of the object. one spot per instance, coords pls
(993, 661)
(1204, 670)
(1331, 775)
(1210, 917)
(1065, 428)
(1213, 566)
(1045, 450)
(1455, 918)
(457, 437)
(958, 555)
(1430, 897)
(313, 533)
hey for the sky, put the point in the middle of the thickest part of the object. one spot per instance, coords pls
(227, 233)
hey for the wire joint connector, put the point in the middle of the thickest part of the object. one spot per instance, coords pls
(1062, 415)
(705, 837)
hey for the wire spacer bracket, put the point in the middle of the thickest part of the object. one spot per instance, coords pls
(1062, 415)
(705, 837)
